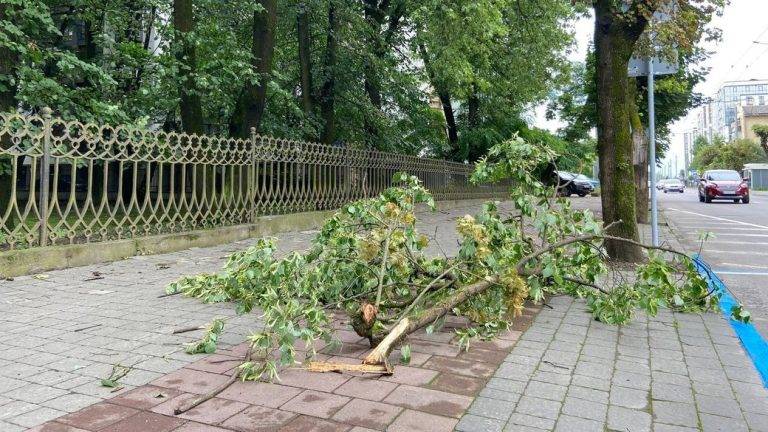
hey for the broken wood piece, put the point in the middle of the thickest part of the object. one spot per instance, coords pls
(321, 366)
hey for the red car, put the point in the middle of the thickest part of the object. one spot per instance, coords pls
(723, 185)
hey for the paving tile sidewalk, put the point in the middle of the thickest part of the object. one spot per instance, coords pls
(430, 394)
(63, 331)
(669, 373)
(673, 372)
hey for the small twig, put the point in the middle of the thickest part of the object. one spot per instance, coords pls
(86, 328)
(197, 401)
(383, 269)
(169, 294)
(585, 283)
(187, 329)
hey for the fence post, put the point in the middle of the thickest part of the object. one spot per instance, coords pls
(252, 179)
(45, 174)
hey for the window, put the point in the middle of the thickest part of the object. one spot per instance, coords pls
(723, 176)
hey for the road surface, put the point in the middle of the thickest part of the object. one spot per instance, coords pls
(739, 251)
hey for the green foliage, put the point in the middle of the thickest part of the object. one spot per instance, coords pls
(207, 344)
(368, 260)
(93, 60)
(733, 155)
(118, 372)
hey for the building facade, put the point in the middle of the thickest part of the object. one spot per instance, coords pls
(719, 116)
(748, 116)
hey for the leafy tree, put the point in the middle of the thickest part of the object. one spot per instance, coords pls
(615, 104)
(733, 155)
(762, 133)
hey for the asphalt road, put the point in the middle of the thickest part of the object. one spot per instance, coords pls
(739, 251)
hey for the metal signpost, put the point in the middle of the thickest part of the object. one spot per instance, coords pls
(651, 67)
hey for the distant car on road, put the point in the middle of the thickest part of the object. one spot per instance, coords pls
(673, 185)
(723, 185)
(569, 184)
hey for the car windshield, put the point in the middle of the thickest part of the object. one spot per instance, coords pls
(566, 175)
(582, 177)
(723, 176)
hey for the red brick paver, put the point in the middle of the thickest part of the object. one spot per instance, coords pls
(429, 394)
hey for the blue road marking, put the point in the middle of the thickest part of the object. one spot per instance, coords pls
(754, 344)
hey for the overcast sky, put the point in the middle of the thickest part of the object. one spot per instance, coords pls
(735, 57)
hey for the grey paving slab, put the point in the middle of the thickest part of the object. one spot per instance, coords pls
(669, 373)
(68, 327)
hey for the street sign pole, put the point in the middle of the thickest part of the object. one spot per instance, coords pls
(652, 156)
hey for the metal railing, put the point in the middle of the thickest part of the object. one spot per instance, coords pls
(64, 182)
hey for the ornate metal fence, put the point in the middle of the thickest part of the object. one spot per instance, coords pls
(64, 182)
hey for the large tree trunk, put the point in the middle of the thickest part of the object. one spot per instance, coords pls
(305, 59)
(252, 101)
(614, 44)
(190, 106)
(445, 102)
(327, 91)
(639, 153)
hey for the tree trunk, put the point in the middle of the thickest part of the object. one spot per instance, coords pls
(639, 153)
(190, 105)
(327, 91)
(377, 14)
(473, 108)
(445, 101)
(250, 106)
(614, 44)
(305, 59)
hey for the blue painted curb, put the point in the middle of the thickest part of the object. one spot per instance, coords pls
(753, 343)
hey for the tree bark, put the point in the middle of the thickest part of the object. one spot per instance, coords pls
(305, 59)
(377, 14)
(639, 153)
(327, 91)
(615, 41)
(473, 108)
(190, 105)
(250, 106)
(445, 101)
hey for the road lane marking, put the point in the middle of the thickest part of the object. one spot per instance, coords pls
(696, 235)
(742, 273)
(721, 226)
(744, 265)
(719, 218)
(711, 241)
(708, 251)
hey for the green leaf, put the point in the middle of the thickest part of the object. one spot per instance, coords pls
(405, 354)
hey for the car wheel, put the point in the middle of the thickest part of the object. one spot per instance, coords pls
(701, 198)
(582, 195)
(707, 199)
(745, 200)
(682, 191)
(736, 201)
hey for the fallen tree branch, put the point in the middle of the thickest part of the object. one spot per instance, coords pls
(520, 267)
(585, 283)
(181, 409)
(406, 326)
